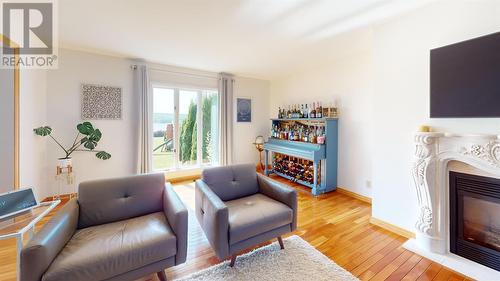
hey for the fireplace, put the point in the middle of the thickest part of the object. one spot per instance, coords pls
(458, 214)
(475, 218)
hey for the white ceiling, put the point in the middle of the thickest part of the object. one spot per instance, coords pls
(256, 38)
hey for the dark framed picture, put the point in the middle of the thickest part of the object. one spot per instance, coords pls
(243, 110)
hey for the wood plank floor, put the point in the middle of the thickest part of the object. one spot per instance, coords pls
(335, 224)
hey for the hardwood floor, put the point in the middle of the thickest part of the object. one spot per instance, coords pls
(335, 224)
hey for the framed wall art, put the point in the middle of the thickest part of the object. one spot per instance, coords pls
(101, 102)
(243, 110)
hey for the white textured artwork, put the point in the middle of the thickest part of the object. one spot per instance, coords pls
(101, 102)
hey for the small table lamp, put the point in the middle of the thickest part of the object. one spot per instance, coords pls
(259, 145)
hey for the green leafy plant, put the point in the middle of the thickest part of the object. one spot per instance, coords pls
(87, 135)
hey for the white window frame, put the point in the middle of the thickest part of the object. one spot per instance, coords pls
(177, 88)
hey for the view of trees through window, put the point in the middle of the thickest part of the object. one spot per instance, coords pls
(188, 132)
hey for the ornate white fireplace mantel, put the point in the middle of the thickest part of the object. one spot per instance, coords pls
(433, 153)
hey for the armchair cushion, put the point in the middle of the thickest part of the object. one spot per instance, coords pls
(281, 193)
(254, 215)
(110, 200)
(104, 251)
(231, 182)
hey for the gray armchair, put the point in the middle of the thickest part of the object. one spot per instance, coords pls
(118, 229)
(238, 208)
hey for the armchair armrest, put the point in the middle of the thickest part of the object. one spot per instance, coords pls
(213, 216)
(281, 193)
(38, 254)
(177, 216)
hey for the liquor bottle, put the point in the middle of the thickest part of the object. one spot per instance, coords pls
(306, 112)
(321, 135)
(289, 113)
(305, 137)
(312, 136)
(319, 111)
(313, 112)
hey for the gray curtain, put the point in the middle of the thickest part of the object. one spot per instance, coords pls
(226, 82)
(145, 149)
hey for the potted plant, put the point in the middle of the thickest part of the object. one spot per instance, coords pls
(87, 135)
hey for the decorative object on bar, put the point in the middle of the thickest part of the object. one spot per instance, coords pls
(88, 136)
(304, 150)
(307, 111)
(259, 145)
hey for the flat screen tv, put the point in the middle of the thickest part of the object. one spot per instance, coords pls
(465, 79)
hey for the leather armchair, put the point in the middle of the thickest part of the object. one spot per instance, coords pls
(238, 208)
(117, 229)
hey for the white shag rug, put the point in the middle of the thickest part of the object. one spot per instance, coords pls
(298, 261)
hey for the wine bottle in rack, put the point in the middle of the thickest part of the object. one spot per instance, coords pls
(297, 169)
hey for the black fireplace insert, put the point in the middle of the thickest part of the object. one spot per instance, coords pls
(475, 218)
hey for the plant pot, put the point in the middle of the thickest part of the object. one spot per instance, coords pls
(64, 162)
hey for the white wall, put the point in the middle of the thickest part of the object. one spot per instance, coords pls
(245, 133)
(401, 94)
(32, 151)
(348, 82)
(384, 97)
(63, 114)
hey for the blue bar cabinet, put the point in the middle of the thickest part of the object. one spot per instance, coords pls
(324, 156)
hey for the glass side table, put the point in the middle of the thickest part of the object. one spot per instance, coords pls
(16, 227)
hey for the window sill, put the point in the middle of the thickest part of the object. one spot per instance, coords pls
(185, 174)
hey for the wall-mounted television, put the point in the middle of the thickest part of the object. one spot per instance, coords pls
(465, 79)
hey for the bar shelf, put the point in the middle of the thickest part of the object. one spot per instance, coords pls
(324, 156)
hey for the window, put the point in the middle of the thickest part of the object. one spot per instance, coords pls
(182, 119)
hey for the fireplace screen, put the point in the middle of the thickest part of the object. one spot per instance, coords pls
(481, 223)
(475, 218)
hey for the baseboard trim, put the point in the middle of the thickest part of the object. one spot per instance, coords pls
(392, 228)
(354, 195)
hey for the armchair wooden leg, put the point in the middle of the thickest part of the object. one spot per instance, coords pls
(282, 246)
(233, 260)
(161, 275)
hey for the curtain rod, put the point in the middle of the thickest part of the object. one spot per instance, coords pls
(134, 66)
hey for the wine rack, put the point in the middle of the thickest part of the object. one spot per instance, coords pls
(296, 169)
(310, 163)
